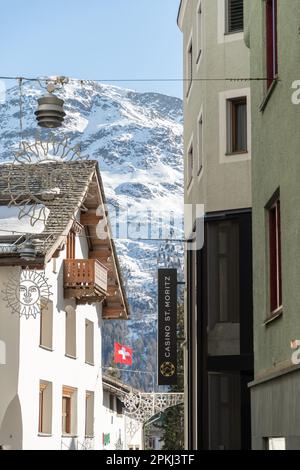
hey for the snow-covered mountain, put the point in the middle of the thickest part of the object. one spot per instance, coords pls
(137, 139)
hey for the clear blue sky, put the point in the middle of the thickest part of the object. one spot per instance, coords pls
(91, 39)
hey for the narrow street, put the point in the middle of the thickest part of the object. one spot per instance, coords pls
(149, 228)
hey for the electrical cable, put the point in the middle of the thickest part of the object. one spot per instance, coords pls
(82, 81)
(177, 240)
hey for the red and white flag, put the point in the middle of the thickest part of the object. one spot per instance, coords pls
(123, 354)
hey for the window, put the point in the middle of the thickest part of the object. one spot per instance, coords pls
(152, 443)
(275, 253)
(224, 411)
(276, 443)
(199, 32)
(234, 16)
(237, 125)
(190, 169)
(111, 402)
(200, 145)
(46, 325)
(271, 41)
(223, 272)
(66, 415)
(45, 407)
(89, 342)
(2, 353)
(71, 240)
(119, 407)
(69, 411)
(71, 332)
(89, 414)
(189, 67)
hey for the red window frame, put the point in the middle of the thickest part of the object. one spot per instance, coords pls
(271, 41)
(275, 256)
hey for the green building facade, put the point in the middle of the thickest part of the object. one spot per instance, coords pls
(272, 34)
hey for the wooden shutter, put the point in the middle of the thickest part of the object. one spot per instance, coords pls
(71, 245)
(235, 15)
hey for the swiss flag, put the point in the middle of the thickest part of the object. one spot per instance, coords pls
(123, 354)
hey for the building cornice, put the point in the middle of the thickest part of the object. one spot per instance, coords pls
(181, 13)
(268, 376)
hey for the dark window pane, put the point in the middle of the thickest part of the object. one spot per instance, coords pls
(237, 125)
(119, 407)
(241, 127)
(222, 244)
(224, 411)
(111, 402)
(235, 16)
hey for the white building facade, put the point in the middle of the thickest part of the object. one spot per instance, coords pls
(120, 432)
(51, 395)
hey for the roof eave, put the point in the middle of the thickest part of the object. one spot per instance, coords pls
(126, 308)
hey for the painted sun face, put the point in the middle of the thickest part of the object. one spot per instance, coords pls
(26, 293)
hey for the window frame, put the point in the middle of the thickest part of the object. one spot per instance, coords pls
(67, 431)
(46, 308)
(43, 387)
(275, 302)
(41, 408)
(89, 324)
(189, 66)
(232, 125)
(71, 245)
(119, 407)
(200, 143)
(190, 164)
(111, 403)
(89, 401)
(68, 324)
(271, 38)
(70, 394)
(199, 32)
(218, 311)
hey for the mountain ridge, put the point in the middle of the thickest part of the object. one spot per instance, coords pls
(137, 140)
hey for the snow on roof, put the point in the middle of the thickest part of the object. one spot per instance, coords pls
(11, 224)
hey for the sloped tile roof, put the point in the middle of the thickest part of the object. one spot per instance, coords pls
(24, 183)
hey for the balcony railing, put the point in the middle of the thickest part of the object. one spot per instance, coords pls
(85, 280)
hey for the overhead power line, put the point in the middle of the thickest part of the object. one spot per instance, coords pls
(205, 79)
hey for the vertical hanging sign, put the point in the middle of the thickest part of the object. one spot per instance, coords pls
(167, 327)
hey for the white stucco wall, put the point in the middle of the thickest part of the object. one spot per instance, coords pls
(27, 363)
(117, 427)
(10, 413)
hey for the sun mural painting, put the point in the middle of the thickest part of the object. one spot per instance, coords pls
(27, 294)
(38, 189)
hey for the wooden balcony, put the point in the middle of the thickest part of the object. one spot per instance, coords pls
(85, 280)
